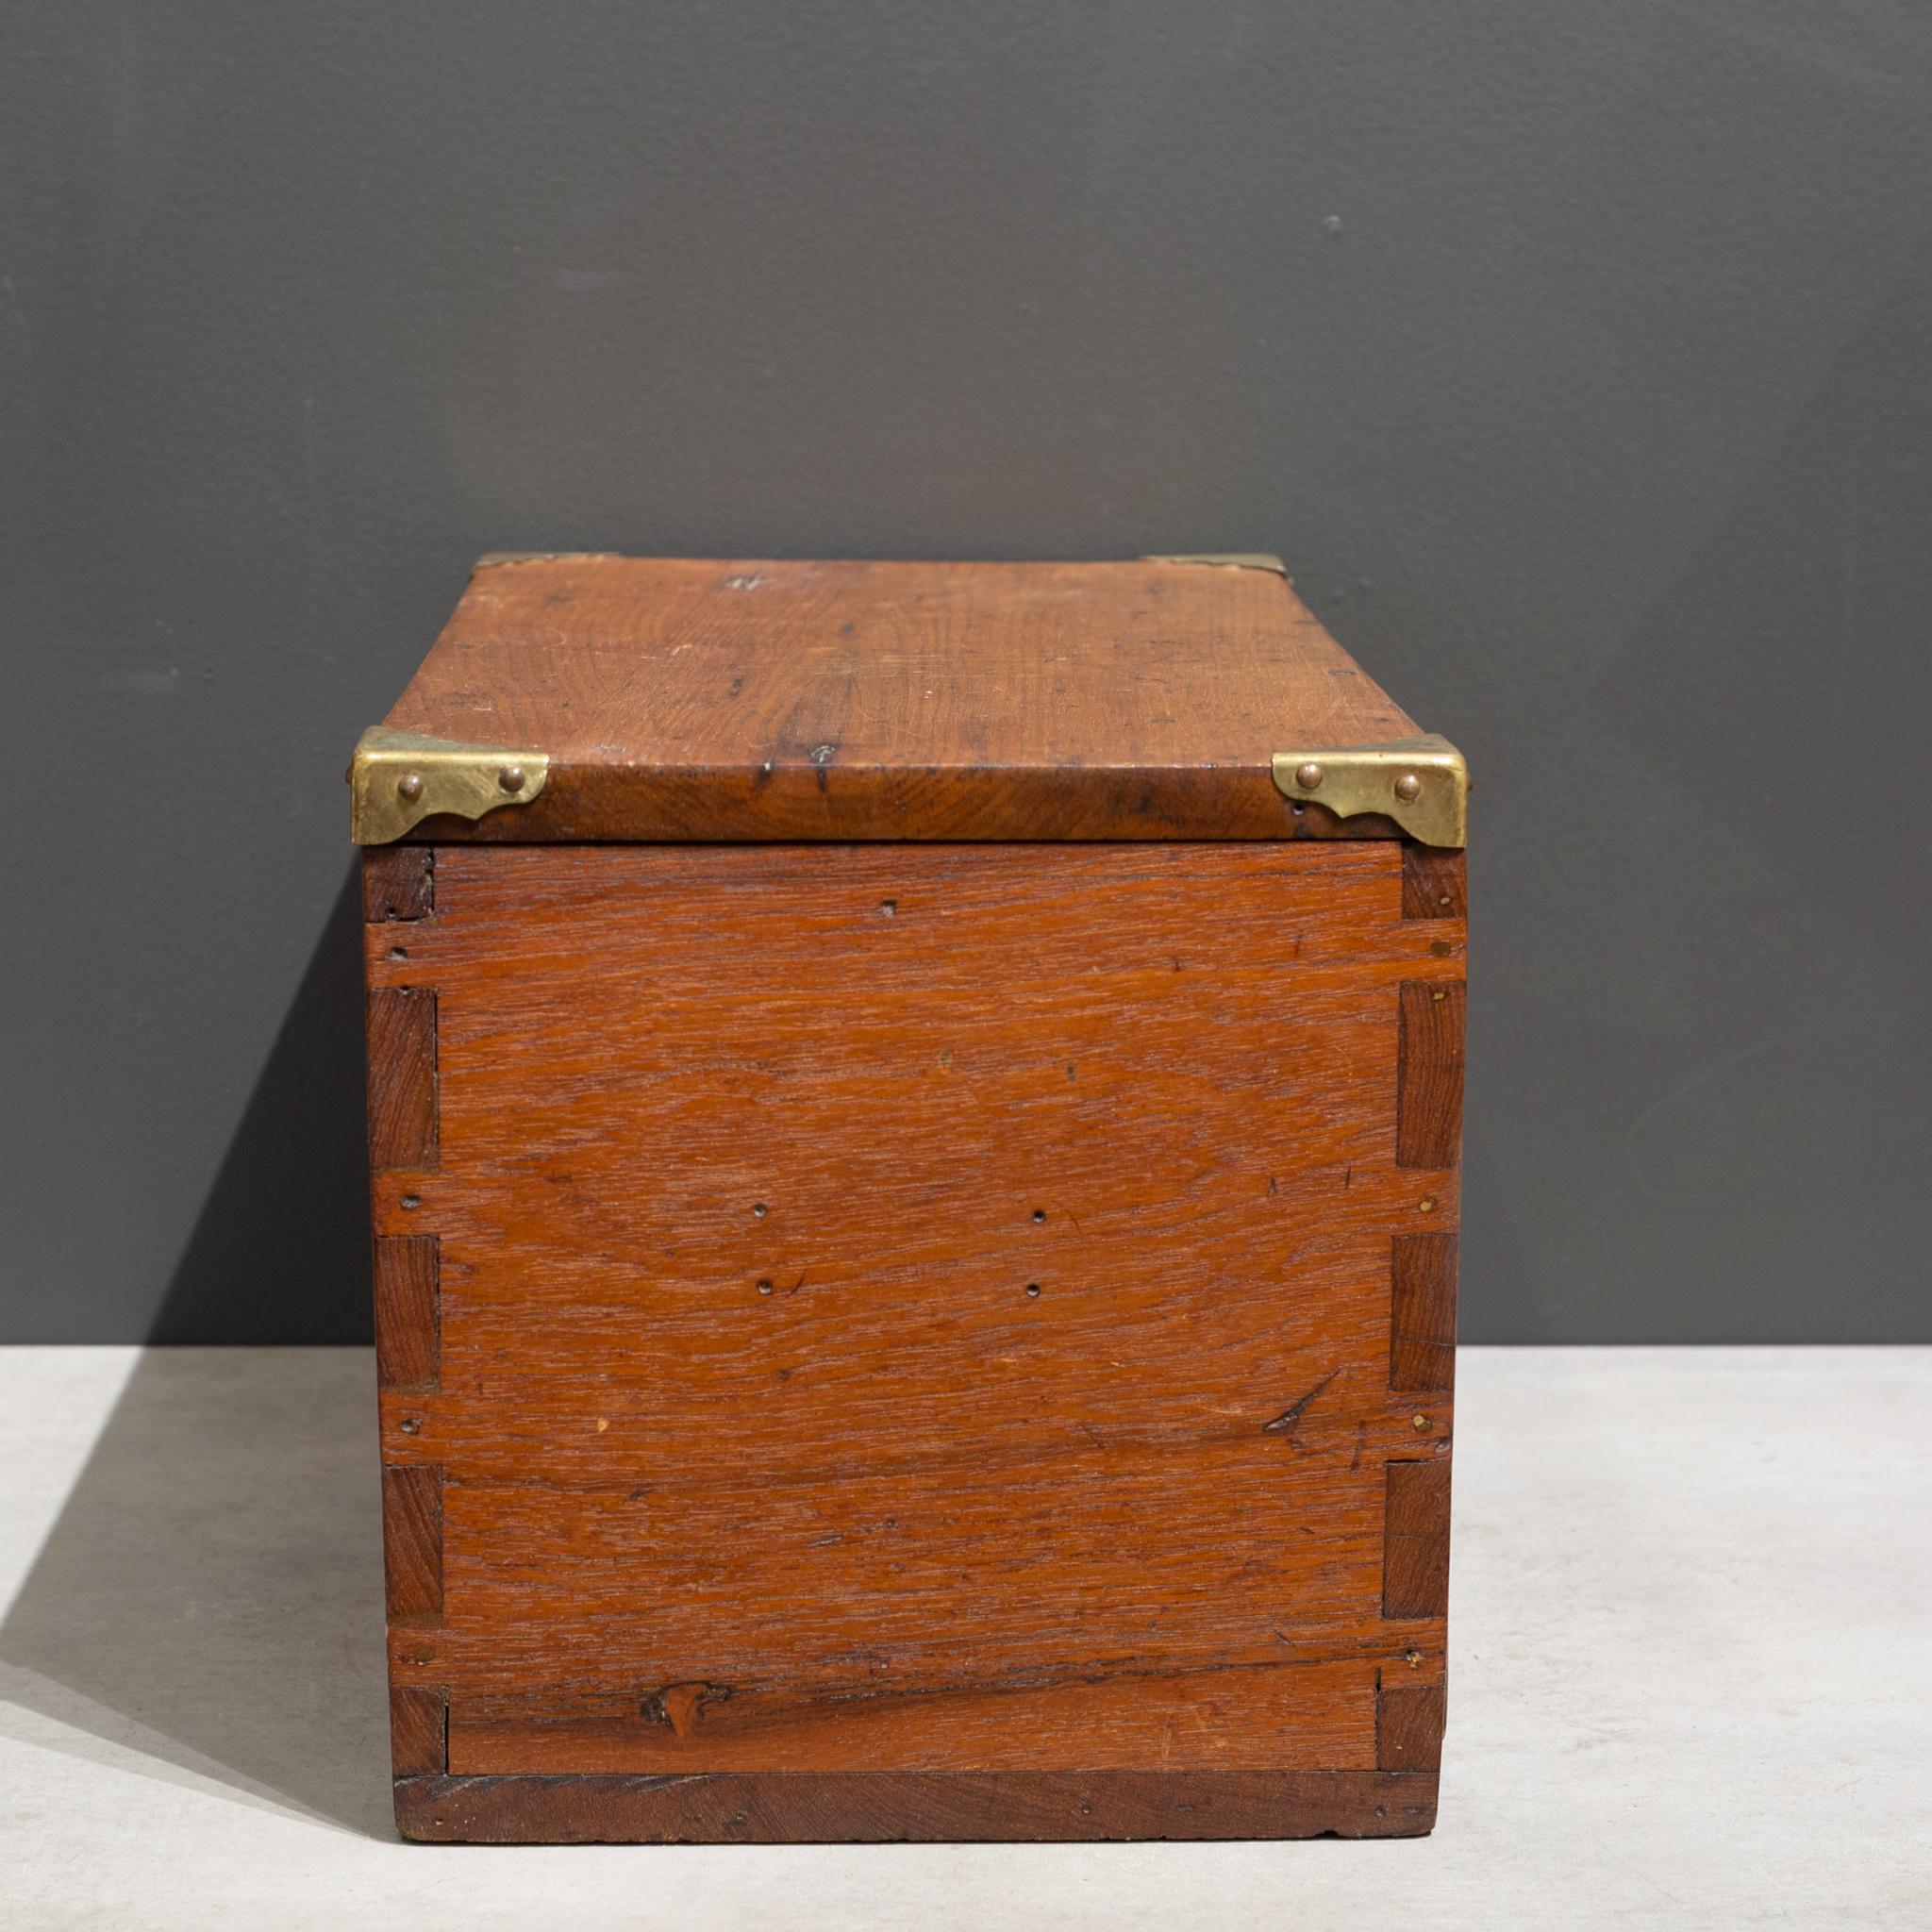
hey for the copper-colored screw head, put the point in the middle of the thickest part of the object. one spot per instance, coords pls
(1408, 786)
(511, 777)
(409, 785)
(1428, 1204)
(1309, 776)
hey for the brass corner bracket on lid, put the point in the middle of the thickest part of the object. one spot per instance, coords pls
(1421, 783)
(398, 778)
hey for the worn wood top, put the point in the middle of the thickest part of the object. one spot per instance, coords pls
(687, 699)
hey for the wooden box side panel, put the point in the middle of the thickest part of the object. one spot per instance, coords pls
(398, 899)
(653, 1557)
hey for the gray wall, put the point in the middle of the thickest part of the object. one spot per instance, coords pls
(1576, 355)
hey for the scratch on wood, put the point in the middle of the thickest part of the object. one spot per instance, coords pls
(1293, 1414)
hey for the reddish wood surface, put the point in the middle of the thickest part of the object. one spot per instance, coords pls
(1258, 1717)
(1421, 1329)
(402, 1075)
(1408, 1726)
(959, 1807)
(408, 1343)
(398, 883)
(1428, 1104)
(1415, 1572)
(1434, 883)
(417, 1727)
(687, 699)
(412, 1540)
(905, 1312)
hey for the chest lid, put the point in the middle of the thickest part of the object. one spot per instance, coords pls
(653, 699)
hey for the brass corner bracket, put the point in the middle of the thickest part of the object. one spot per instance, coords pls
(1421, 783)
(1230, 559)
(398, 778)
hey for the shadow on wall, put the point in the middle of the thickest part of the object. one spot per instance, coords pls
(280, 1250)
(211, 1599)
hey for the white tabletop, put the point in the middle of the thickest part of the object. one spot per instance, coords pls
(1691, 1677)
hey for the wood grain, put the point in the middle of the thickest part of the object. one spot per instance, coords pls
(691, 699)
(1433, 883)
(1428, 1101)
(1421, 1329)
(1415, 1572)
(881, 1807)
(412, 1542)
(417, 1727)
(401, 1023)
(906, 1340)
(1408, 1726)
(1258, 1717)
(755, 1449)
(408, 1350)
(398, 883)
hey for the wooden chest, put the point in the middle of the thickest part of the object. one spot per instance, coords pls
(914, 1118)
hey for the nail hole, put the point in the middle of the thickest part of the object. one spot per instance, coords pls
(1038, 1215)
(398, 953)
(1033, 1289)
(888, 907)
(411, 1425)
(764, 1287)
(412, 1201)
(759, 1210)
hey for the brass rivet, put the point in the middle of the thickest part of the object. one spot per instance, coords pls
(1408, 786)
(1428, 1204)
(511, 777)
(1418, 1422)
(409, 785)
(1309, 775)
(1445, 900)
(1439, 994)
